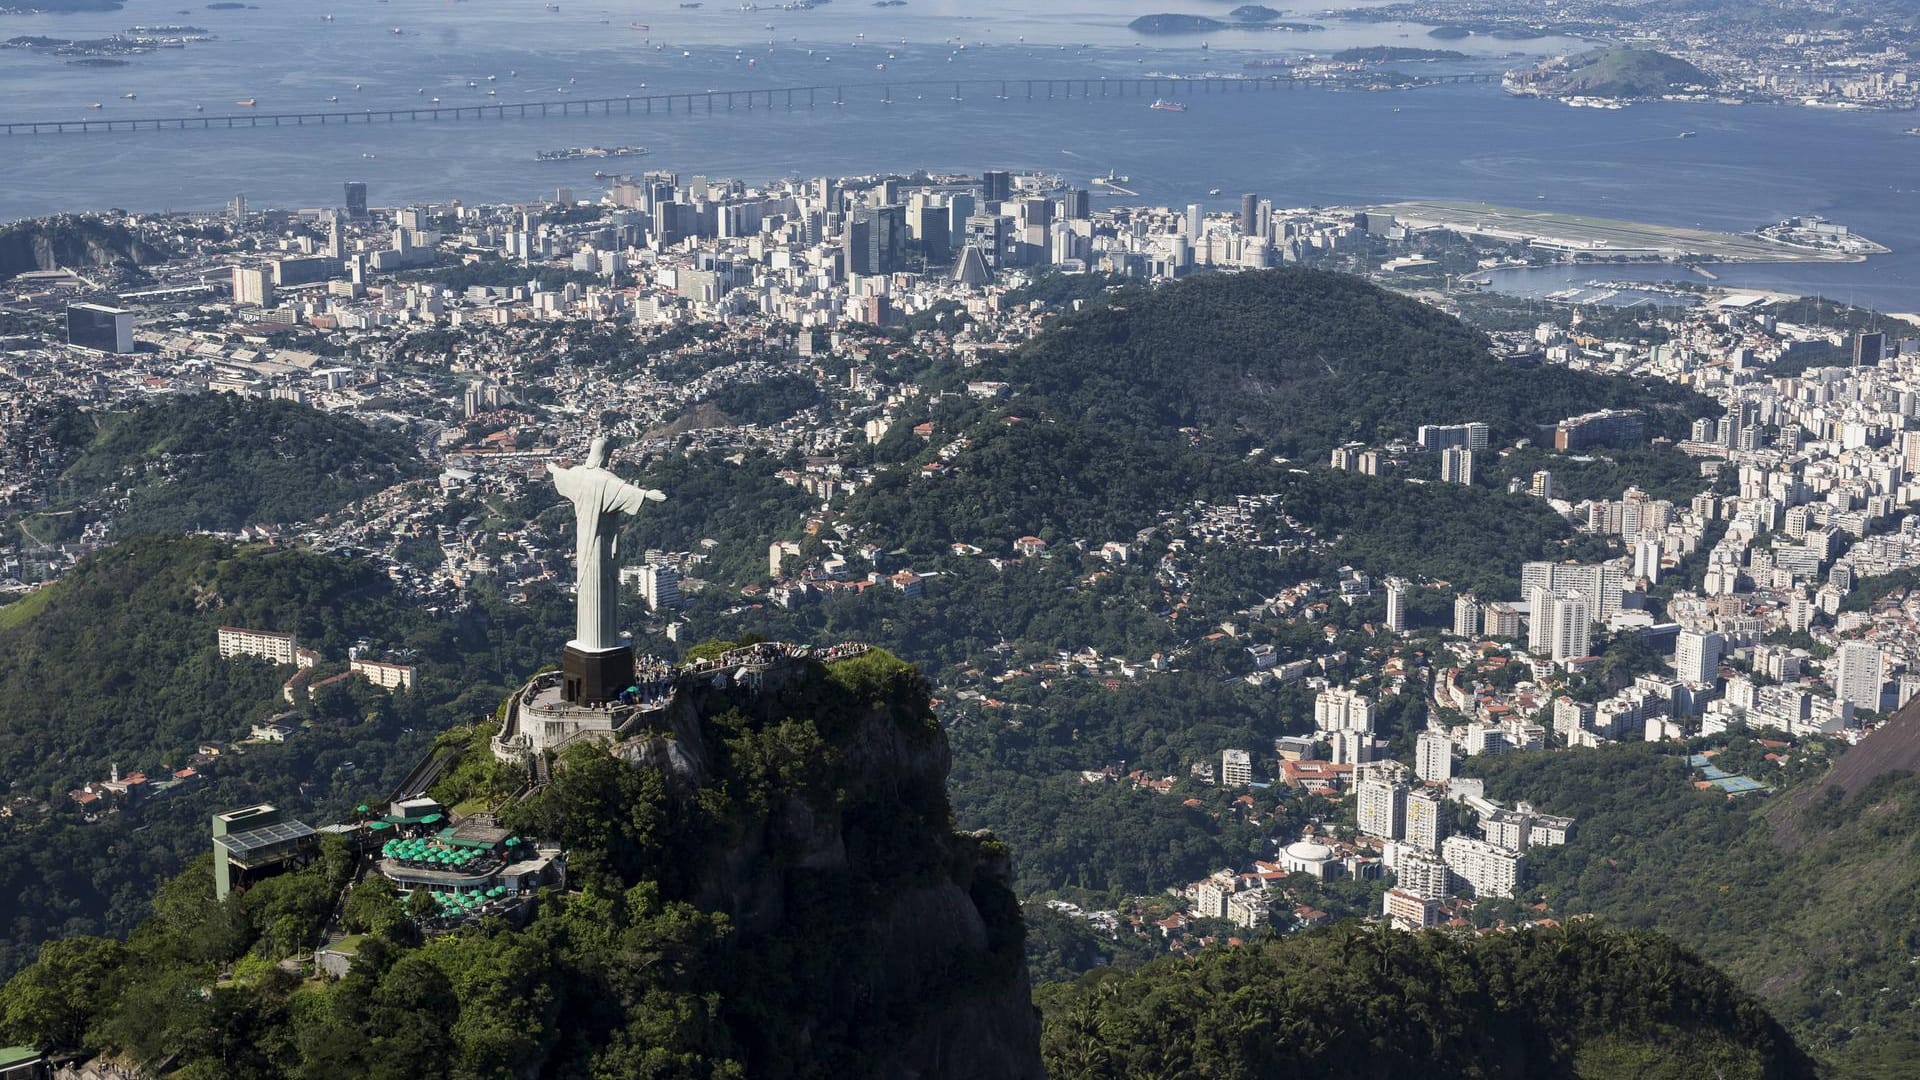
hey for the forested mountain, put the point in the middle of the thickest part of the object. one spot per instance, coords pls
(220, 461)
(117, 664)
(1547, 1003)
(781, 895)
(1813, 905)
(1148, 400)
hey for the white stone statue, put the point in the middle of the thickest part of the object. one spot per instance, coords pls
(600, 501)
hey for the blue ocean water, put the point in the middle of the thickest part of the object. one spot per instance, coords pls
(1746, 165)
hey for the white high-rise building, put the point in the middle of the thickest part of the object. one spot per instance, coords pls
(1456, 465)
(1466, 616)
(1421, 874)
(1862, 670)
(1396, 605)
(253, 287)
(1646, 559)
(1349, 747)
(1339, 708)
(1489, 869)
(1572, 627)
(1236, 768)
(659, 586)
(1382, 807)
(1433, 756)
(1424, 823)
(1696, 656)
(1601, 583)
(1539, 620)
(1542, 486)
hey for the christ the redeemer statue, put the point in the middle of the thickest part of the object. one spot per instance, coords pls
(601, 503)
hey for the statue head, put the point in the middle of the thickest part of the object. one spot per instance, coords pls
(597, 454)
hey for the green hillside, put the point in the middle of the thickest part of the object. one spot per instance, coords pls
(1143, 403)
(220, 461)
(1577, 1002)
(792, 903)
(1620, 71)
(118, 664)
(1812, 905)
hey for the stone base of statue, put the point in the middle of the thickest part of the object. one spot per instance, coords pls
(595, 676)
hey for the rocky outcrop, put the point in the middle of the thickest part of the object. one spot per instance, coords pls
(73, 243)
(930, 942)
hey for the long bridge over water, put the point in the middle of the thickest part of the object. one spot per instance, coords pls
(707, 102)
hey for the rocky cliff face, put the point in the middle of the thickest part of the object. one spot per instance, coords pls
(929, 959)
(70, 242)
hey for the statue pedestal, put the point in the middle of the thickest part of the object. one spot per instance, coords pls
(595, 677)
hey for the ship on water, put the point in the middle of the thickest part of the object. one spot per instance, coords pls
(582, 153)
(1164, 105)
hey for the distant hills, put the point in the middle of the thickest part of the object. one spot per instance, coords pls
(1621, 72)
(1245, 17)
(1154, 398)
(220, 461)
(1579, 1001)
(1810, 899)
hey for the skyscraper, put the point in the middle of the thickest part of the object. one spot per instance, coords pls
(1696, 656)
(95, 326)
(1466, 616)
(1433, 756)
(1869, 348)
(1862, 670)
(1423, 822)
(1456, 465)
(357, 200)
(253, 286)
(995, 186)
(1249, 214)
(1572, 626)
(1396, 605)
(1382, 807)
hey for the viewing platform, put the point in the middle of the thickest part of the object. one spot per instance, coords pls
(540, 720)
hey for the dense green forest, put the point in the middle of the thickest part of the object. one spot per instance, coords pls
(221, 461)
(118, 664)
(795, 906)
(1145, 401)
(1356, 1002)
(740, 507)
(1814, 908)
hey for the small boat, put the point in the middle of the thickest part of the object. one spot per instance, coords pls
(1686, 135)
(247, 103)
(128, 96)
(1163, 105)
(396, 31)
(356, 86)
(639, 26)
(96, 105)
(199, 108)
(333, 98)
(1213, 193)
